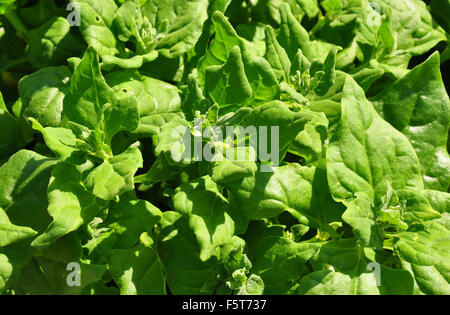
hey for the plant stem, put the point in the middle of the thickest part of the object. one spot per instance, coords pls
(16, 22)
(14, 63)
(334, 235)
(301, 219)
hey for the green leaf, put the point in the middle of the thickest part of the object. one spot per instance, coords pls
(237, 260)
(129, 219)
(253, 286)
(42, 94)
(311, 7)
(213, 226)
(70, 204)
(429, 279)
(184, 23)
(194, 99)
(419, 107)
(96, 25)
(261, 77)
(224, 40)
(439, 200)
(54, 275)
(115, 176)
(134, 62)
(51, 269)
(440, 10)
(277, 56)
(427, 245)
(413, 24)
(328, 68)
(39, 13)
(224, 147)
(180, 253)
(137, 270)
(61, 141)
(93, 104)
(309, 142)
(100, 245)
(12, 140)
(283, 126)
(281, 262)
(350, 272)
(88, 94)
(53, 38)
(425, 251)
(12, 259)
(131, 24)
(5, 5)
(323, 210)
(267, 194)
(360, 215)
(10, 233)
(364, 156)
(417, 210)
(366, 77)
(292, 36)
(23, 189)
(227, 85)
(153, 96)
(232, 170)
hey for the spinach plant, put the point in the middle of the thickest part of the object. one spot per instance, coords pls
(99, 193)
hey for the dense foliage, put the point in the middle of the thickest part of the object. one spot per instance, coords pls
(94, 95)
